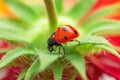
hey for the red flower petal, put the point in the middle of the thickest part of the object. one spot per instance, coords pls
(93, 72)
(115, 39)
(10, 73)
(4, 44)
(78, 77)
(102, 3)
(107, 62)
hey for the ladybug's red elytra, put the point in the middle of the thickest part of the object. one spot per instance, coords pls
(62, 35)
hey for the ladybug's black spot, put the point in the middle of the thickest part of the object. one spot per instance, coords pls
(75, 32)
(65, 37)
(64, 29)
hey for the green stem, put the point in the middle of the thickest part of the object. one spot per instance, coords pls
(51, 12)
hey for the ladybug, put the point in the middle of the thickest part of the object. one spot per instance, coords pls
(62, 34)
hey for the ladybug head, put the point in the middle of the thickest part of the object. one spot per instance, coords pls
(51, 43)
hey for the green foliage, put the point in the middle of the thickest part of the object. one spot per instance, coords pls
(78, 62)
(110, 49)
(3, 50)
(104, 27)
(94, 40)
(59, 6)
(57, 70)
(81, 7)
(22, 11)
(13, 54)
(12, 23)
(46, 59)
(33, 70)
(100, 13)
(11, 29)
(31, 27)
(11, 35)
(22, 74)
(87, 44)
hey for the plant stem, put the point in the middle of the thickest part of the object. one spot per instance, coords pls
(51, 12)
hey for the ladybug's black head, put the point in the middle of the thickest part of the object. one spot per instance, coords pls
(51, 43)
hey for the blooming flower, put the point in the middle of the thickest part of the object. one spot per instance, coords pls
(97, 65)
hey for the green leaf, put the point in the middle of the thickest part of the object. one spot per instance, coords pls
(57, 70)
(22, 11)
(59, 5)
(13, 23)
(80, 8)
(3, 50)
(85, 49)
(12, 35)
(94, 40)
(7, 28)
(101, 23)
(37, 6)
(33, 70)
(36, 35)
(40, 64)
(22, 75)
(13, 54)
(104, 27)
(11, 30)
(110, 49)
(46, 59)
(100, 13)
(89, 43)
(78, 62)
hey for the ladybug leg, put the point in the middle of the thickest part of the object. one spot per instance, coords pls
(59, 49)
(61, 55)
(62, 48)
(71, 40)
(77, 41)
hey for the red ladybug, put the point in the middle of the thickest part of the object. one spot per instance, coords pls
(62, 35)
